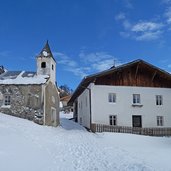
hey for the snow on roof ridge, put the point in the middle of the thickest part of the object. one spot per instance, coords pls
(36, 79)
(20, 75)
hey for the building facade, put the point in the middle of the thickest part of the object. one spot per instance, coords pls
(136, 94)
(32, 95)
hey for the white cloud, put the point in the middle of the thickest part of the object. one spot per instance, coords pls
(167, 15)
(120, 16)
(166, 1)
(77, 71)
(147, 36)
(142, 31)
(99, 61)
(146, 31)
(126, 24)
(64, 59)
(103, 65)
(146, 26)
(94, 57)
(70, 65)
(87, 63)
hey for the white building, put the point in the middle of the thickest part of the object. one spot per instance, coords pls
(136, 94)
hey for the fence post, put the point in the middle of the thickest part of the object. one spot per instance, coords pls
(93, 128)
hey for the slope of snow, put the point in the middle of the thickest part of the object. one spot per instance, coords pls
(31, 147)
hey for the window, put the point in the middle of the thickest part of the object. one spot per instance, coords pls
(159, 100)
(160, 120)
(52, 66)
(43, 65)
(113, 120)
(7, 100)
(136, 98)
(112, 97)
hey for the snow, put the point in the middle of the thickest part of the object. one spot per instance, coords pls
(66, 115)
(60, 104)
(27, 146)
(37, 79)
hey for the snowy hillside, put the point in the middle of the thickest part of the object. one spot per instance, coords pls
(27, 146)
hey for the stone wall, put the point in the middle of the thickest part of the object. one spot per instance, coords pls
(51, 104)
(26, 100)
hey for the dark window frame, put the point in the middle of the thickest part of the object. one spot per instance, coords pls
(136, 99)
(159, 100)
(7, 100)
(160, 120)
(113, 120)
(112, 97)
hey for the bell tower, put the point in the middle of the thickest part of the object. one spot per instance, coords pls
(46, 63)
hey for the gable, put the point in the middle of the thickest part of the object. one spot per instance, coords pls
(140, 74)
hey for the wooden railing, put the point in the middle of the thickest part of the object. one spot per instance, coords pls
(131, 130)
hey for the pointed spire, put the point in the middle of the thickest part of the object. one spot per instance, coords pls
(46, 51)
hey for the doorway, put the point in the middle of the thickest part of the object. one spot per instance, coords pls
(137, 121)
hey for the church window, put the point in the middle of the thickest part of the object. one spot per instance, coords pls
(43, 65)
(7, 100)
(52, 66)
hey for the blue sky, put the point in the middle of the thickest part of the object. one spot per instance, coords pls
(85, 36)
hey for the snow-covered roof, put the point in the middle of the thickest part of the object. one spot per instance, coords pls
(22, 77)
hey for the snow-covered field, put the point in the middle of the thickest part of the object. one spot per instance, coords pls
(25, 146)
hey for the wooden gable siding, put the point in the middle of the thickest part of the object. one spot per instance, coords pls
(137, 75)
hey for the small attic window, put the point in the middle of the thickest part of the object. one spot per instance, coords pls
(43, 65)
(52, 67)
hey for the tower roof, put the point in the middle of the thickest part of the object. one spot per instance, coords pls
(46, 52)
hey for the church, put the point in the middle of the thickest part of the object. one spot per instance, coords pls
(32, 95)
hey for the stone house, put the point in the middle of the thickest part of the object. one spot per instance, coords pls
(32, 95)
